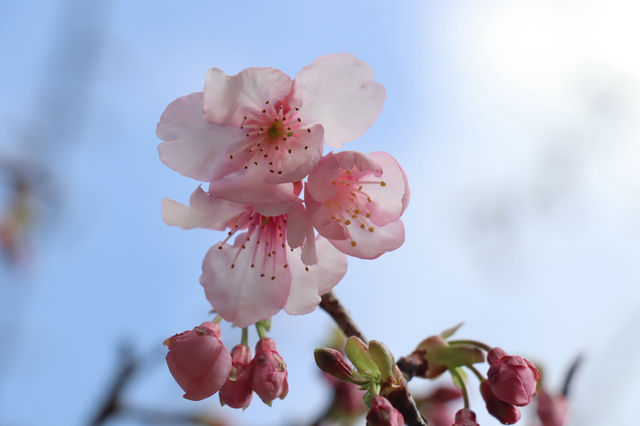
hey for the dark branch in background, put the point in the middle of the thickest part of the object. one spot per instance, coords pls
(568, 380)
(400, 399)
(112, 402)
(114, 405)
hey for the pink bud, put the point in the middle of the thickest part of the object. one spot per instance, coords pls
(512, 378)
(269, 372)
(552, 409)
(199, 361)
(506, 413)
(382, 413)
(465, 417)
(237, 392)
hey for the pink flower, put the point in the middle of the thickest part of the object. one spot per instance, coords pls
(513, 379)
(274, 262)
(269, 372)
(465, 417)
(199, 361)
(552, 409)
(503, 411)
(382, 413)
(356, 200)
(261, 120)
(237, 392)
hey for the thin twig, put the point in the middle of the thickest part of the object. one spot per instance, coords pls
(341, 316)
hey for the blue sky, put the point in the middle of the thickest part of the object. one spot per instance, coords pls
(517, 127)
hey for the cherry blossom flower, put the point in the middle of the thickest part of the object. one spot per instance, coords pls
(199, 361)
(355, 200)
(273, 263)
(262, 120)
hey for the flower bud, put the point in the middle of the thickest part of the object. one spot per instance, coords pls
(382, 413)
(199, 361)
(331, 362)
(552, 409)
(465, 417)
(506, 413)
(237, 392)
(269, 372)
(513, 379)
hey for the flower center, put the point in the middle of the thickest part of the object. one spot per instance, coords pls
(272, 136)
(274, 131)
(264, 243)
(351, 205)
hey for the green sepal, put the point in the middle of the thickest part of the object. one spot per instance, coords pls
(383, 358)
(455, 356)
(358, 353)
(368, 396)
(451, 331)
(265, 324)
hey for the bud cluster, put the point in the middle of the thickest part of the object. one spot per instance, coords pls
(202, 366)
(375, 371)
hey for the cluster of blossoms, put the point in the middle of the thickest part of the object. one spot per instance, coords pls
(254, 137)
(291, 213)
(202, 366)
(511, 380)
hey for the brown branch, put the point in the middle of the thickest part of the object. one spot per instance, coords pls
(341, 316)
(401, 399)
(412, 365)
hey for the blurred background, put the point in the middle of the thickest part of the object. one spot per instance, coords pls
(516, 122)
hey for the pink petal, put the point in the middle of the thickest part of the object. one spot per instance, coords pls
(193, 146)
(204, 211)
(225, 96)
(319, 182)
(337, 91)
(322, 218)
(239, 294)
(369, 245)
(311, 282)
(390, 200)
(248, 188)
(298, 225)
(348, 160)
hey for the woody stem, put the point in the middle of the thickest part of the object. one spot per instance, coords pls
(401, 398)
(331, 305)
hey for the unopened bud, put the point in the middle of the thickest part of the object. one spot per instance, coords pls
(331, 362)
